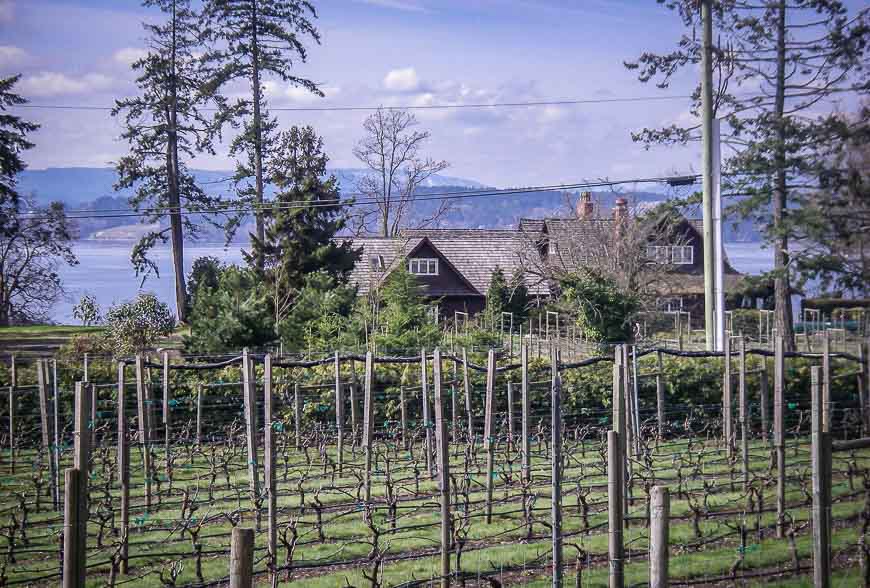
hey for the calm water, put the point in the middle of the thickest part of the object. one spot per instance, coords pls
(104, 271)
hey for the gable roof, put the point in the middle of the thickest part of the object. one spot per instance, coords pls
(473, 254)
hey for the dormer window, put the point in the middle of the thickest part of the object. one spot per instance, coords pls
(682, 255)
(377, 263)
(423, 266)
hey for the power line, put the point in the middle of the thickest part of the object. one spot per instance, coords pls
(567, 102)
(353, 202)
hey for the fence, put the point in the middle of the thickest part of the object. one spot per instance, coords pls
(436, 469)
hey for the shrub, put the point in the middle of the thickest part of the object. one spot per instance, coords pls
(135, 325)
(88, 311)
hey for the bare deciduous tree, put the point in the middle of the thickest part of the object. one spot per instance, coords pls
(391, 150)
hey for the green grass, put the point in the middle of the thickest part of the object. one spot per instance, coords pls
(45, 331)
(496, 546)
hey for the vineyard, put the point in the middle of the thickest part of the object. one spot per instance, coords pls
(442, 468)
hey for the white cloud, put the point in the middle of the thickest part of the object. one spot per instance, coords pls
(128, 55)
(402, 80)
(10, 55)
(58, 84)
(7, 11)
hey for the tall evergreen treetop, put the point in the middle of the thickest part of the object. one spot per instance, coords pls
(13, 140)
(164, 126)
(302, 221)
(252, 39)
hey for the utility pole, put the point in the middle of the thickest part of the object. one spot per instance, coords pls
(707, 170)
(718, 243)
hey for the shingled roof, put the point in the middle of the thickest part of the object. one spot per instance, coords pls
(473, 253)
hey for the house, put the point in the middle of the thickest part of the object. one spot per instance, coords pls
(453, 266)
(671, 258)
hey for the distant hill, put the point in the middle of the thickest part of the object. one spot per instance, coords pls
(91, 189)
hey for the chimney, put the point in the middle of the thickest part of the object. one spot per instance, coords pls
(585, 208)
(620, 209)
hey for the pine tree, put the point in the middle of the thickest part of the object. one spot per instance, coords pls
(518, 303)
(302, 221)
(776, 63)
(497, 296)
(164, 125)
(255, 38)
(13, 140)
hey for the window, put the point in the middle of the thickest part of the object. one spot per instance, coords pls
(377, 263)
(423, 267)
(670, 304)
(658, 253)
(682, 254)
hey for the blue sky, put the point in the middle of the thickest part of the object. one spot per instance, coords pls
(392, 52)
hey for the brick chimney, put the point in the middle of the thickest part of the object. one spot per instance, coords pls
(620, 209)
(585, 208)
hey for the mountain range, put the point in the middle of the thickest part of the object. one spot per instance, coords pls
(91, 189)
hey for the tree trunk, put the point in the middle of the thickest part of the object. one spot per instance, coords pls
(258, 134)
(782, 288)
(172, 169)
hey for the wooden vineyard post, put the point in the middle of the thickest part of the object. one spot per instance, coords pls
(45, 423)
(269, 463)
(339, 415)
(524, 392)
(55, 452)
(660, 396)
(123, 456)
(74, 552)
(81, 462)
(727, 412)
(454, 423)
(368, 417)
(821, 463)
(12, 429)
(742, 408)
(249, 390)
(619, 421)
(427, 417)
(354, 386)
(659, 551)
(510, 415)
(764, 400)
(167, 413)
(85, 368)
(628, 435)
(144, 432)
(443, 456)
(403, 414)
(826, 382)
(556, 469)
(93, 395)
(779, 433)
(297, 416)
(488, 443)
(200, 390)
(242, 558)
(466, 388)
(615, 470)
(863, 385)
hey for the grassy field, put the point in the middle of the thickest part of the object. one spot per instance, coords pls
(207, 492)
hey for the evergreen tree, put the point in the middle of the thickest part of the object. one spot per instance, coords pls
(255, 38)
(518, 304)
(497, 296)
(164, 125)
(13, 140)
(785, 59)
(302, 222)
(403, 321)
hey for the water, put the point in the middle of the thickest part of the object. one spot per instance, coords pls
(104, 271)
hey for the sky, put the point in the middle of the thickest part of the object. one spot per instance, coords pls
(394, 53)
